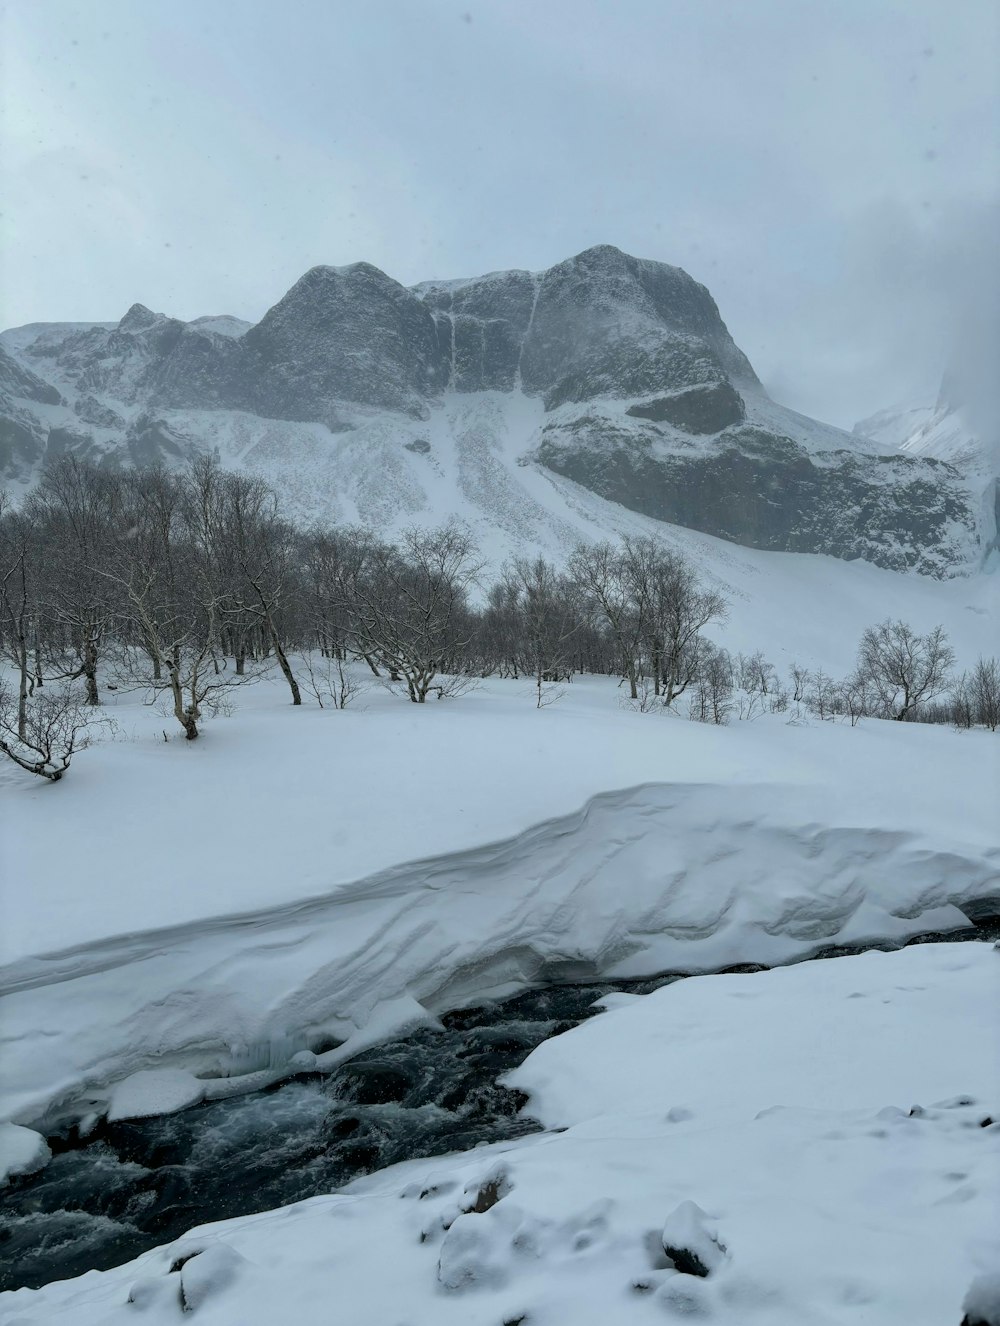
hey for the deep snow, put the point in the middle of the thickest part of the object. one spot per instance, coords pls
(218, 909)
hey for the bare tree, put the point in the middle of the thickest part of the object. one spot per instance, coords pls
(984, 685)
(18, 611)
(800, 679)
(613, 591)
(823, 695)
(544, 618)
(674, 613)
(171, 602)
(410, 607)
(904, 669)
(712, 699)
(262, 548)
(328, 679)
(44, 735)
(77, 511)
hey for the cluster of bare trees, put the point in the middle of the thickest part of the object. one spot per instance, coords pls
(900, 675)
(186, 585)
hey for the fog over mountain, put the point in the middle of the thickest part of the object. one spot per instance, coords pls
(830, 175)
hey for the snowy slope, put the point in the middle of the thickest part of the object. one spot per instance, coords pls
(814, 1134)
(944, 431)
(936, 430)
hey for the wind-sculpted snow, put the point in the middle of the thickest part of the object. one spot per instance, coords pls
(820, 1140)
(638, 881)
(615, 371)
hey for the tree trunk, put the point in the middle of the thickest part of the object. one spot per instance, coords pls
(22, 691)
(90, 670)
(186, 715)
(283, 663)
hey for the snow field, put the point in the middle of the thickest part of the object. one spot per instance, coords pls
(863, 1192)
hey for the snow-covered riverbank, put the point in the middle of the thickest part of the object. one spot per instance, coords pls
(818, 1135)
(300, 877)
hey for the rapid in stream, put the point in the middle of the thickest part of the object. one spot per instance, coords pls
(130, 1186)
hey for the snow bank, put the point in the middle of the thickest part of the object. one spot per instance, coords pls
(22, 1151)
(835, 1035)
(833, 1206)
(157, 1091)
(315, 888)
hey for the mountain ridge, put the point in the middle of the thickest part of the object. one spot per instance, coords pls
(633, 389)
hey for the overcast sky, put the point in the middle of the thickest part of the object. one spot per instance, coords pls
(828, 169)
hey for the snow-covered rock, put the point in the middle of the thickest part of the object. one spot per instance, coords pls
(22, 1151)
(154, 1091)
(691, 1240)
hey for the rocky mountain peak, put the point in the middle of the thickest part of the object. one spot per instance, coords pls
(637, 393)
(139, 318)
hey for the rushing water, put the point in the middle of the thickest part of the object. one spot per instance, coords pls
(134, 1185)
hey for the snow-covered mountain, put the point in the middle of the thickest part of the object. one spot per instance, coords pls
(541, 407)
(945, 429)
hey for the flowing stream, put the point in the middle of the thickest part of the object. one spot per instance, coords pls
(130, 1186)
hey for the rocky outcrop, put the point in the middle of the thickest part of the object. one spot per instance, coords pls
(18, 381)
(341, 334)
(768, 492)
(701, 409)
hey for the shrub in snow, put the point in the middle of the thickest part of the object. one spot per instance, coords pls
(43, 733)
(692, 1242)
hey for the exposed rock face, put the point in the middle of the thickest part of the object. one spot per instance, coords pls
(16, 380)
(768, 492)
(700, 409)
(341, 334)
(643, 395)
(601, 324)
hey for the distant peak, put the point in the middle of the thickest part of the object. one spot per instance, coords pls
(601, 253)
(138, 318)
(323, 273)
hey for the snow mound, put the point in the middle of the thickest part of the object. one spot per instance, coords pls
(22, 1151)
(154, 1091)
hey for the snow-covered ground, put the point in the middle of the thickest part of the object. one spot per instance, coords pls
(212, 912)
(817, 1137)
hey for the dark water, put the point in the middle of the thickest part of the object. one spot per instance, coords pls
(134, 1185)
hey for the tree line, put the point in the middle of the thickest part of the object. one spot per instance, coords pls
(188, 584)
